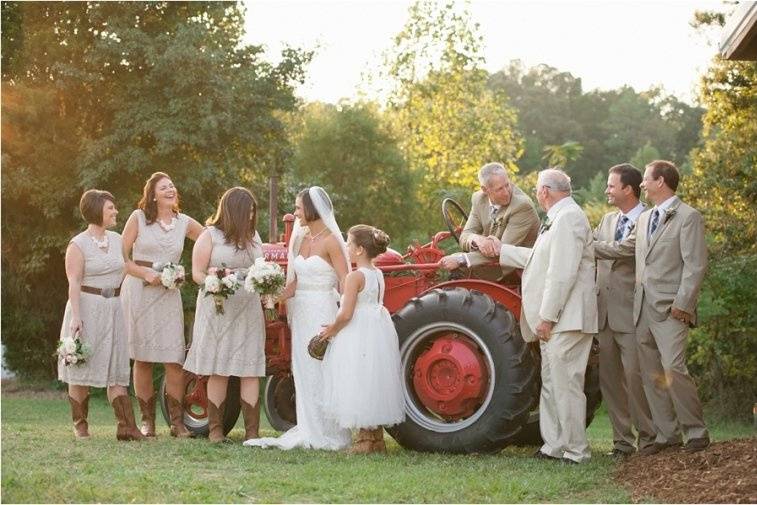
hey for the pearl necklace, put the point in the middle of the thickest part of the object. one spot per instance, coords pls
(167, 227)
(102, 244)
(313, 237)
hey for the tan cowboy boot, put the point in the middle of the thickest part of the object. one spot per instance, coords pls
(215, 422)
(363, 443)
(176, 415)
(79, 413)
(148, 416)
(378, 440)
(251, 417)
(126, 428)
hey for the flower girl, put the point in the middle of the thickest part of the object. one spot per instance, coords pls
(361, 368)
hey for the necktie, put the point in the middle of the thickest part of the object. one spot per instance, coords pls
(620, 230)
(493, 209)
(654, 221)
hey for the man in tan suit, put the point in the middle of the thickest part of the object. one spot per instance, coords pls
(669, 246)
(619, 375)
(560, 309)
(500, 209)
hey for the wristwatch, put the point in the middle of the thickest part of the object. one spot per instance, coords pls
(462, 261)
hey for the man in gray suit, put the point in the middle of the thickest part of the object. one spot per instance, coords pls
(619, 375)
(500, 209)
(669, 246)
(560, 310)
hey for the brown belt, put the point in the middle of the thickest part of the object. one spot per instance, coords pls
(141, 263)
(105, 292)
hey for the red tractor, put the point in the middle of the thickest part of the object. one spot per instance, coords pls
(471, 382)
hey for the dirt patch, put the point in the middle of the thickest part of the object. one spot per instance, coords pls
(725, 472)
(12, 388)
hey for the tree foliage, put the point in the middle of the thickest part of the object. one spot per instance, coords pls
(723, 184)
(103, 94)
(611, 126)
(448, 120)
(351, 152)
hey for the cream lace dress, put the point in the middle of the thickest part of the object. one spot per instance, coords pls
(232, 343)
(103, 328)
(154, 315)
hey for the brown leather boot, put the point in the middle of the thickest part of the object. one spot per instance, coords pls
(378, 440)
(148, 416)
(79, 412)
(363, 443)
(215, 422)
(251, 417)
(176, 415)
(126, 428)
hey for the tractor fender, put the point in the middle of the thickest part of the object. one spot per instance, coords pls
(503, 295)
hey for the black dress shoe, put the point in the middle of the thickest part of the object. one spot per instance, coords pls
(540, 455)
(617, 453)
(568, 461)
(697, 444)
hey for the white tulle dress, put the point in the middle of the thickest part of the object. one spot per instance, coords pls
(313, 305)
(362, 369)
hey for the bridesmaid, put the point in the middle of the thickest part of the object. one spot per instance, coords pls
(154, 315)
(232, 343)
(95, 269)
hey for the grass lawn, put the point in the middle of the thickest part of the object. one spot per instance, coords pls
(42, 463)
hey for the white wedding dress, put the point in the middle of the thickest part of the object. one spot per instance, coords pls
(313, 305)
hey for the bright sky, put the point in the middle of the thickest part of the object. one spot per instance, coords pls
(605, 43)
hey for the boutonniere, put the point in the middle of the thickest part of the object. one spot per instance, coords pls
(669, 215)
(545, 226)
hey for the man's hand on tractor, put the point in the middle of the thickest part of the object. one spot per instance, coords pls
(452, 262)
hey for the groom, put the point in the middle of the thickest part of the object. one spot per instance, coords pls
(560, 310)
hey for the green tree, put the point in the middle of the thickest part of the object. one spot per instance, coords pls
(103, 94)
(645, 155)
(723, 185)
(449, 121)
(348, 150)
(559, 156)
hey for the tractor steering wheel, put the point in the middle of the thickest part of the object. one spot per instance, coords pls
(449, 208)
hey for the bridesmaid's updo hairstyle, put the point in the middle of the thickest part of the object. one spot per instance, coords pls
(148, 204)
(370, 238)
(233, 217)
(308, 209)
(92, 203)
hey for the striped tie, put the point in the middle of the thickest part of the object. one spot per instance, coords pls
(620, 230)
(654, 221)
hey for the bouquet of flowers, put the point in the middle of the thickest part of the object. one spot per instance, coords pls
(268, 280)
(72, 351)
(221, 284)
(172, 275)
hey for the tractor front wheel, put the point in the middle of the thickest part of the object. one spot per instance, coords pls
(279, 402)
(196, 404)
(469, 379)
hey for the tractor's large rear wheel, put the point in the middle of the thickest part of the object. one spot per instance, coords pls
(530, 434)
(469, 378)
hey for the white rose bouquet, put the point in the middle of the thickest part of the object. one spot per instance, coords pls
(268, 280)
(172, 275)
(72, 351)
(220, 284)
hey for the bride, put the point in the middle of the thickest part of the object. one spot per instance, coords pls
(317, 266)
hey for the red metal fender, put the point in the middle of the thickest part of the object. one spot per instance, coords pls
(509, 296)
